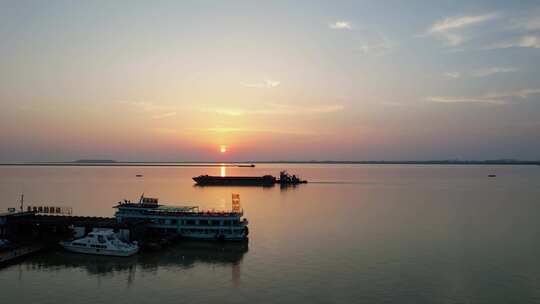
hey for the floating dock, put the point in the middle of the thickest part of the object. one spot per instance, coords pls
(11, 254)
(29, 232)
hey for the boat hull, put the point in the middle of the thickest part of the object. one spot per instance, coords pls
(206, 180)
(98, 251)
(206, 237)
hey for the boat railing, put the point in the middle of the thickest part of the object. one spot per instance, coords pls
(195, 213)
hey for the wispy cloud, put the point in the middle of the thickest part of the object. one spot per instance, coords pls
(164, 115)
(224, 111)
(453, 23)
(492, 71)
(531, 24)
(253, 130)
(450, 29)
(341, 25)
(392, 103)
(276, 109)
(155, 111)
(520, 42)
(463, 99)
(165, 130)
(379, 45)
(267, 84)
(377, 49)
(483, 72)
(453, 75)
(489, 98)
(146, 106)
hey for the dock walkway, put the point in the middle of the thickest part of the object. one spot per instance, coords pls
(9, 255)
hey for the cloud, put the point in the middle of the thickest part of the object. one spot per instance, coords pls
(147, 106)
(288, 109)
(378, 49)
(267, 84)
(379, 46)
(454, 39)
(253, 130)
(165, 130)
(450, 28)
(461, 99)
(392, 103)
(277, 109)
(454, 23)
(225, 111)
(520, 42)
(483, 72)
(492, 71)
(341, 25)
(532, 24)
(454, 75)
(490, 98)
(164, 115)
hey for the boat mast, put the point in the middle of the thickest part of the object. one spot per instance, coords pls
(141, 199)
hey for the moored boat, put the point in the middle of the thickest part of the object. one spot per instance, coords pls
(187, 221)
(101, 243)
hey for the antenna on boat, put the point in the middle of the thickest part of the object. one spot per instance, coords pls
(22, 201)
(141, 199)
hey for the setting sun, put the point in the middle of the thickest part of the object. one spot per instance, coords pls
(223, 149)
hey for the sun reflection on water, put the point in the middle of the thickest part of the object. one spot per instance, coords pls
(223, 171)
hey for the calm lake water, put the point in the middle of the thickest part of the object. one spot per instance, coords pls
(357, 233)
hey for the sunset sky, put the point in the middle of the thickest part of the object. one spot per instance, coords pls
(269, 80)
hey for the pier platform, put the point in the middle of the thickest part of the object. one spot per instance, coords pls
(29, 232)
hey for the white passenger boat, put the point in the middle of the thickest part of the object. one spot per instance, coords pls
(101, 243)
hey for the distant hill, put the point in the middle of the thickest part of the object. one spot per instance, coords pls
(94, 161)
(414, 162)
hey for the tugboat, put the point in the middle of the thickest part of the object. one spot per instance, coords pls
(101, 243)
(286, 179)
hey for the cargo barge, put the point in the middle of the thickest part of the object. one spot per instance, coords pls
(265, 180)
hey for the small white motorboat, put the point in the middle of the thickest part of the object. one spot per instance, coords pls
(101, 243)
(3, 243)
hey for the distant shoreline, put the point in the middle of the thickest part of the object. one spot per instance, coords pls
(112, 163)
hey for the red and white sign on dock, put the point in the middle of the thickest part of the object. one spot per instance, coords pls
(236, 202)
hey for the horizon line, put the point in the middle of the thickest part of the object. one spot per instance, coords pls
(110, 162)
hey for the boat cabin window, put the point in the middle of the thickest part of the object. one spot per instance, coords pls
(101, 239)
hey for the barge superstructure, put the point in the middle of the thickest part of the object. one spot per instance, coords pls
(187, 221)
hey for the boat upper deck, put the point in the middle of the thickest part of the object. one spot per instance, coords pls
(163, 210)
